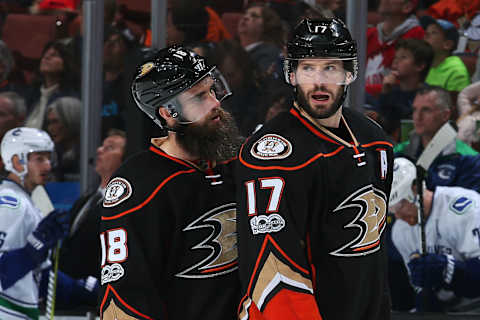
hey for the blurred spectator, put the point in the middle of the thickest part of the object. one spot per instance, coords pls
(242, 76)
(399, 22)
(12, 115)
(7, 67)
(454, 10)
(57, 77)
(431, 110)
(115, 48)
(410, 67)
(449, 271)
(63, 125)
(447, 71)
(472, 33)
(85, 213)
(469, 120)
(262, 34)
(192, 21)
(331, 8)
(12, 111)
(52, 5)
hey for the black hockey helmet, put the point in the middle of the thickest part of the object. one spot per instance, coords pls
(167, 74)
(327, 38)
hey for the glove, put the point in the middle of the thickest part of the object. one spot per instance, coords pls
(49, 231)
(432, 270)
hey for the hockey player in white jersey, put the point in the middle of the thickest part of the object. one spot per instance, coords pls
(26, 238)
(450, 268)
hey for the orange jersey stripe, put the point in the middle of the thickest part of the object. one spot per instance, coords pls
(303, 165)
(220, 268)
(157, 151)
(110, 288)
(150, 197)
(306, 124)
(377, 143)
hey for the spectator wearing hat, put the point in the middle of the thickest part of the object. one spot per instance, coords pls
(447, 71)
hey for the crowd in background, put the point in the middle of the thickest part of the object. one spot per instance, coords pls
(411, 45)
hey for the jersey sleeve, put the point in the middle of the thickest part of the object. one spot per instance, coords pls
(134, 233)
(275, 271)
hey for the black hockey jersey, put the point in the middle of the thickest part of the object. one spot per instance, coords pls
(311, 215)
(169, 245)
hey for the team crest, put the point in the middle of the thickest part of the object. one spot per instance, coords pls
(9, 202)
(145, 68)
(370, 221)
(220, 246)
(461, 205)
(118, 190)
(271, 146)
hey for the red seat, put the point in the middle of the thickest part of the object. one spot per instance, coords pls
(230, 21)
(28, 34)
(470, 61)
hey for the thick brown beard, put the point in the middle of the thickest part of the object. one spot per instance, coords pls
(212, 144)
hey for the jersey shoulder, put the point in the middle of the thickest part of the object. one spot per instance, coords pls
(365, 128)
(13, 197)
(456, 201)
(283, 142)
(140, 178)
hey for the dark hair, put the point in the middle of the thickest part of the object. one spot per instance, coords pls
(421, 50)
(118, 132)
(231, 48)
(192, 19)
(70, 76)
(273, 27)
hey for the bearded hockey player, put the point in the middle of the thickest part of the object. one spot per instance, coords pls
(312, 191)
(168, 231)
(451, 266)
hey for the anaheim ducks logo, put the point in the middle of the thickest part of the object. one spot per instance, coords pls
(370, 221)
(221, 243)
(145, 68)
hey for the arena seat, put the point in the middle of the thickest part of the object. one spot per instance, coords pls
(28, 34)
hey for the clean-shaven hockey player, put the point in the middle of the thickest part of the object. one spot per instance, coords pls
(451, 265)
(25, 238)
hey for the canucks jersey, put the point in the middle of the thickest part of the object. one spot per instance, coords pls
(168, 238)
(18, 218)
(311, 216)
(452, 228)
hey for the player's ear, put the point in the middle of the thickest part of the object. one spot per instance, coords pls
(163, 112)
(292, 78)
(17, 164)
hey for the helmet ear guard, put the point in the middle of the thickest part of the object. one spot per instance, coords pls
(169, 73)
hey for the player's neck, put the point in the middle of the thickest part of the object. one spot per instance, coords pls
(173, 148)
(331, 122)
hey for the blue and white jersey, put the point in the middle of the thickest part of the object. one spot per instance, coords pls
(18, 218)
(453, 226)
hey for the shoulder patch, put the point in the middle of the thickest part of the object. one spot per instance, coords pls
(461, 205)
(9, 202)
(271, 146)
(118, 190)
